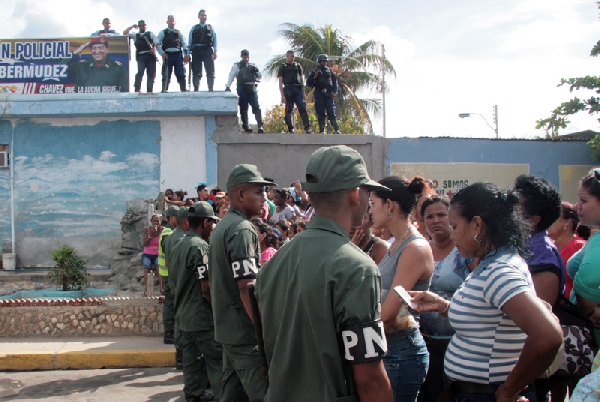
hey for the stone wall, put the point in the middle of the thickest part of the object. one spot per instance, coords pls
(115, 317)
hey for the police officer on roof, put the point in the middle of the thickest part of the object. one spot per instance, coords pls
(326, 88)
(145, 54)
(291, 83)
(101, 72)
(203, 44)
(171, 45)
(106, 31)
(247, 75)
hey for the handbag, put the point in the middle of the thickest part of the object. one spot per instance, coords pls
(580, 341)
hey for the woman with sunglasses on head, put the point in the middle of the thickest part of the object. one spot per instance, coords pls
(584, 265)
(505, 336)
(408, 263)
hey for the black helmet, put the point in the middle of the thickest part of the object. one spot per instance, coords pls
(321, 57)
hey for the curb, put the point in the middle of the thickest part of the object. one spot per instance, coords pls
(77, 360)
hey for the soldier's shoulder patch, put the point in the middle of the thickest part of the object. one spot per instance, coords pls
(251, 250)
(118, 63)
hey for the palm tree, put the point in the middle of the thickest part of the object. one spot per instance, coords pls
(357, 69)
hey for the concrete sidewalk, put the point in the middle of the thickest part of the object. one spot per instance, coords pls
(85, 353)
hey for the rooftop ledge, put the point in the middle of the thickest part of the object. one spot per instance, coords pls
(118, 105)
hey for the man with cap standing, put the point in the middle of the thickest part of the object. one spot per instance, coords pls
(247, 75)
(145, 55)
(101, 73)
(326, 89)
(291, 87)
(188, 268)
(203, 45)
(174, 52)
(234, 260)
(320, 295)
(168, 312)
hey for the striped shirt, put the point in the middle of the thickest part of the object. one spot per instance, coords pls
(487, 343)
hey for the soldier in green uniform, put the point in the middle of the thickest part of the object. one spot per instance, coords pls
(101, 73)
(170, 242)
(234, 259)
(188, 269)
(168, 313)
(320, 295)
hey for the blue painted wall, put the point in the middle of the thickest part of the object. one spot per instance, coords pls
(75, 181)
(543, 157)
(5, 230)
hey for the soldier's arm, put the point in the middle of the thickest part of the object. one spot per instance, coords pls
(190, 38)
(126, 32)
(372, 383)
(245, 296)
(310, 81)
(184, 46)
(335, 83)
(159, 39)
(214, 55)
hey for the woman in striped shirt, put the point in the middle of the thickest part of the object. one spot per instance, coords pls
(505, 336)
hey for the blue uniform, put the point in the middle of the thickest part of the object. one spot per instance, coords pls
(145, 60)
(172, 42)
(324, 81)
(203, 43)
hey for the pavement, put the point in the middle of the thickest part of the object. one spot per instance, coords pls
(28, 354)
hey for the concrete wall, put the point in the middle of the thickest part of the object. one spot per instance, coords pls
(561, 162)
(283, 157)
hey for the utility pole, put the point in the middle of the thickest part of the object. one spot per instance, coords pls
(383, 88)
(496, 120)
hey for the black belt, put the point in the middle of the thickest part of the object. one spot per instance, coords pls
(464, 387)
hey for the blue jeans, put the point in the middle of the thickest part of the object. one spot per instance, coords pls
(406, 364)
(148, 260)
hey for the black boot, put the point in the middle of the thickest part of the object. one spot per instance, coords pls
(169, 338)
(150, 86)
(259, 121)
(182, 86)
(321, 125)
(178, 359)
(196, 82)
(210, 81)
(335, 125)
(290, 123)
(245, 126)
(137, 84)
(304, 117)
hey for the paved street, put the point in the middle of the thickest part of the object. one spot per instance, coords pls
(128, 385)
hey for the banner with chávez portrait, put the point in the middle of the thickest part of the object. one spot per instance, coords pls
(98, 64)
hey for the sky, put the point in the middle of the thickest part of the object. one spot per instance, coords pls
(450, 57)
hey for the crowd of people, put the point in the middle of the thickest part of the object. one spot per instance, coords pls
(343, 288)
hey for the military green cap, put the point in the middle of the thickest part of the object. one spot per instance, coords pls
(182, 213)
(202, 209)
(337, 168)
(245, 173)
(172, 210)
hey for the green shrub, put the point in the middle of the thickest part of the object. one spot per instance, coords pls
(69, 270)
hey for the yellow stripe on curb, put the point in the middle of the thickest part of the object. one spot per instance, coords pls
(115, 359)
(27, 361)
